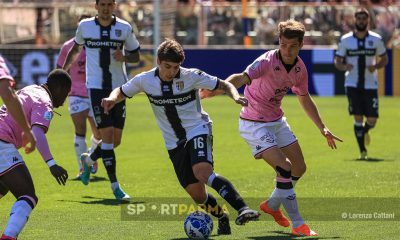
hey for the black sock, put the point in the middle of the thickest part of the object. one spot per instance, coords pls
(226, 190)
(109, 163)
(211, 206)
(367, 127)
(359, 132)
(96, 154)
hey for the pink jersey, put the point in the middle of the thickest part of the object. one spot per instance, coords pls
(4, 72)
(77, 70)
(37, 107)
(269, 84)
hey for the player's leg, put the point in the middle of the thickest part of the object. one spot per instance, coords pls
(371, 113)
(285, 191)
(79, 120)
(180, 158)
(200, 148)
(18, 180)
(355, 98)
(95, 138)
(3, 190)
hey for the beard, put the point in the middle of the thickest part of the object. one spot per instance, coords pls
(361, 28)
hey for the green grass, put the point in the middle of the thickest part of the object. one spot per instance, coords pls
(144, 170)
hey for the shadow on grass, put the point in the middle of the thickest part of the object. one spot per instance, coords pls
(103, 201)
(210, 238)
(371, 159)
(92, 179)
(287, 236)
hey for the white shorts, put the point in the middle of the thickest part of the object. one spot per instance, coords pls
(79, 104)
(9, 157)
(261, 136)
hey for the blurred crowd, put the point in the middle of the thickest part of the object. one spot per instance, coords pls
(219, 22)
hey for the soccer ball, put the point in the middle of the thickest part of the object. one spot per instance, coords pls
(198, 225)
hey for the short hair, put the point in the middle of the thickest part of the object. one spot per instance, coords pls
(361, 11)
(58, 81)
(97, 1)
(170, 50)
(291, 29)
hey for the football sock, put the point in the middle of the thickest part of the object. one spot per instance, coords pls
(226, 190)
(80, 147)
(211, 206)
(367, 127)
(94, 143)
(96, 154)
(284, 188)
(19, 215)
(108, 155)
(359, 132)
(274, 202)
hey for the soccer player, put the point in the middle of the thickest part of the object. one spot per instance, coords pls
(356, 55)
(11, 100)
(79, 103)
(38, 103)
(263, 126)
(106, 37)
(173, 94)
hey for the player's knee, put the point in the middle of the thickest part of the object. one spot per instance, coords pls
(31, 199)
(202, 172)
(198, 197)
(284, 170)
(117, 143)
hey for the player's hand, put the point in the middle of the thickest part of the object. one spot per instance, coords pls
(349, 67)
(371, 68)
(107, 104)
(118, 55)
(205, 93)
(59, 173)
(330, 137)
(28, 141)
(242, 101)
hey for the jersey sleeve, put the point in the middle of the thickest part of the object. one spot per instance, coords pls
(301, 86)
(78, 35)
(132, 87)
(204, 80)
(131, 43)
(255, 69)
(381, 49)
(341, 51)
(62, 56)
(42, 114)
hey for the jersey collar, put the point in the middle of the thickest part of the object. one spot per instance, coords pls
(157, 73)
(113, 22)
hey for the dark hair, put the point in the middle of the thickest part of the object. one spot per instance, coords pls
(361, 11)
(170, 50)
(59, 84)
(291, 29)
(97, 1)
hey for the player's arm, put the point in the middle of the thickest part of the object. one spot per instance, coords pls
(115, 97)
(311, 109)
(382, 62)
(340, 65)
(14, 107)
(59, 173)
(72, 54)
(232, 92)
(130, 56)
(237, 80)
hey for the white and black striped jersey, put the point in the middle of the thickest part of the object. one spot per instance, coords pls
(176, 104)
(361, 53)
(102, 70)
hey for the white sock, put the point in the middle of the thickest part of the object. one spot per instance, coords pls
(80, 147)
(93, 143)
(289, 202)
(19, 216)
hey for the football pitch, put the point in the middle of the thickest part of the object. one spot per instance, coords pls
(339, 196)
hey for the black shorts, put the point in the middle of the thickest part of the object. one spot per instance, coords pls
(363, 102)
(115, 118)
(183, 157)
